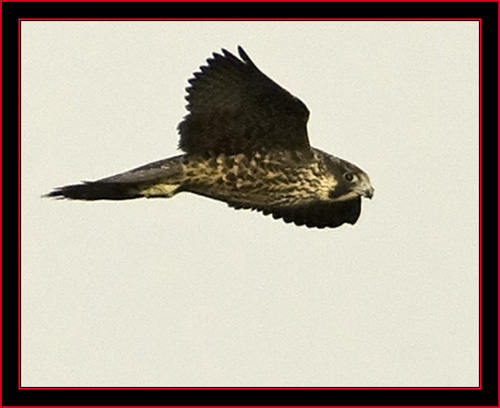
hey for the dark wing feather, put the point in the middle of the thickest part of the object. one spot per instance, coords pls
(235, 108)
(320, 214)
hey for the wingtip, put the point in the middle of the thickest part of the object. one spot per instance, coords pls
(244, 56)
(225, 54)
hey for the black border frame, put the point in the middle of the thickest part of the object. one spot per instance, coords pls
(13, 396)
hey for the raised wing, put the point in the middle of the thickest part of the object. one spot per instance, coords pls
(235, 108)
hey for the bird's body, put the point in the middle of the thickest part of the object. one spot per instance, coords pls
(246, 144)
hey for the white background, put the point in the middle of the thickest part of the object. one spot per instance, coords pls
(187, 292)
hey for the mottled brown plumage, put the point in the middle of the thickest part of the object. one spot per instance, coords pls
(245, 143)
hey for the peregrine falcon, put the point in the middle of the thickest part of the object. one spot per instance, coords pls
(245, 143)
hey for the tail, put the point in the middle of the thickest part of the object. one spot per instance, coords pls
(158, 179)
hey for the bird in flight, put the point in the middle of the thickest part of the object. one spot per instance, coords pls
(245, 143)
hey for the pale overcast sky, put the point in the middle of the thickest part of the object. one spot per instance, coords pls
(188, 292)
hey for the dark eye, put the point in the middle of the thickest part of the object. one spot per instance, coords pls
(349, 176)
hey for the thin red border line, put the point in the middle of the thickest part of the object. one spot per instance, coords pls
(250, 19)
(251, 388)
(256, 388)
(1, 218)
(480, 205)
(498, 213)
(19, 193)
(264, 1)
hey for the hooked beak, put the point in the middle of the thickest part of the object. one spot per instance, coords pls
(368, 192)
(365, 189)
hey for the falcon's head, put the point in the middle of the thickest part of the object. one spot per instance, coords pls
(352, 181)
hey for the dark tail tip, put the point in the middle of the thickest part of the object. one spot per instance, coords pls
(95, 191)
